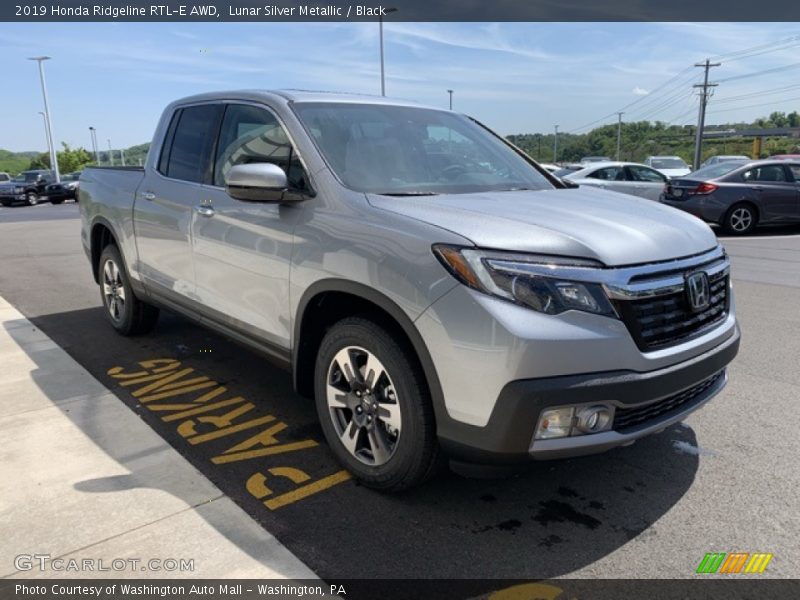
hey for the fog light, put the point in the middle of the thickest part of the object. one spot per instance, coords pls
(555, 423)
(592, 419)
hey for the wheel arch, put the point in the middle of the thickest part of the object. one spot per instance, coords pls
(102, 234)
(329, 300)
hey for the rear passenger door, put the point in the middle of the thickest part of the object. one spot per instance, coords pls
(774, 192)
(167, 196)
(647, 183)
(242, 249)
(611, 178)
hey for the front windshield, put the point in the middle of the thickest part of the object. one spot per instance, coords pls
(668, 163)
(400, 150)
(717, 170)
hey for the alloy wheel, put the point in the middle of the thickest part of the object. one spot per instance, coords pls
(741, 219)
(363, 405)
(113, 290)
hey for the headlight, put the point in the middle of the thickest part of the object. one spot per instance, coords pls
(534, 281)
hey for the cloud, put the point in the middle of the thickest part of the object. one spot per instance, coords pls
(637, 91)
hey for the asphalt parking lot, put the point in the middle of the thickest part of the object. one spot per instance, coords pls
(724, 481)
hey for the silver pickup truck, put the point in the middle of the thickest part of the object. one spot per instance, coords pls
(433, 289)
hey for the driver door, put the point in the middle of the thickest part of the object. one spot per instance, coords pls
(242, 250)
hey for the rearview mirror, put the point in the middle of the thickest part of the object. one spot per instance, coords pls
(258, 182)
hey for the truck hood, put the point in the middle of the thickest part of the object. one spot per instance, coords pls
(616, 229)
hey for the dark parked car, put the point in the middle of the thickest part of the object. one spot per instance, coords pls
(740, 195)
(67, 189)
(26, 188)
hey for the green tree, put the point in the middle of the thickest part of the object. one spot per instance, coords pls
(69, 159)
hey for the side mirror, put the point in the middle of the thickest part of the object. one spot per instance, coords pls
(569, 184)
(259, 182)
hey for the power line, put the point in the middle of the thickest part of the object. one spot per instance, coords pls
(759, 73)
(755, 105)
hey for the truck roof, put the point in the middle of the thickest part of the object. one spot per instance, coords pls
(291, 95)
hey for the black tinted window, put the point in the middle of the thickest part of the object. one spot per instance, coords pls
(250, 134)
(163, 161)
(768, 173)
(193, 144)
(609, 174)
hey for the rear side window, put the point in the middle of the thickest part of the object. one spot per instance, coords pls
(795, 169)
(642, 174)
(163, 160)
(193, 143)
(769, 173)
(609, 174)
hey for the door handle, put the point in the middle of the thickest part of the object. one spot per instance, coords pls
(204, 210)
(147, 195)
(757, 188)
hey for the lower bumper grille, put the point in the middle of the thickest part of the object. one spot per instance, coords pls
(629, 418)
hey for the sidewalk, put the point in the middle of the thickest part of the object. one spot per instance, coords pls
(82, 477)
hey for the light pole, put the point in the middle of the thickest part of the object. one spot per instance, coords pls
(53, 157)
(46, 133)
(619, 132)
(451, 98)
(110, 155)
(555, 146)
(380, 31)
(93, 134)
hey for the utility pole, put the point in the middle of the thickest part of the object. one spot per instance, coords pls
(122, 156)
(93, 134)
(110, 154)
(539, 147)
(619, 132)
(701, 117)
(451, 98)
(555, 146)
(53, 156)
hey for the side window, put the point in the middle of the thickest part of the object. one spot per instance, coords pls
(250, 134)
(193, 144)
(609, 174)
(163, 160)
(642, 174)
(773, 173)
(795, 169)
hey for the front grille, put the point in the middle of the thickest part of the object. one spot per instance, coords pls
(630, 418)
(665, 320)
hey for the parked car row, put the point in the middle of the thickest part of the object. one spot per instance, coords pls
(32, 187)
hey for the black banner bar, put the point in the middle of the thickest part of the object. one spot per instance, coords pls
(399, 10)
(701, 588)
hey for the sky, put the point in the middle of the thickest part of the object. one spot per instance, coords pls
(514, 77)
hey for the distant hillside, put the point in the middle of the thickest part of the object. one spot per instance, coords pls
(14, 162)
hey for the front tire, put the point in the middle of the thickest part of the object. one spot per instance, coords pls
(740, 219)
(126, 313)
(374, 406)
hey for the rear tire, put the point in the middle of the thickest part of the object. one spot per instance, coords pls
(374, 406)
(740, 219)
(32, 198)
(57, 201)
(126, 313)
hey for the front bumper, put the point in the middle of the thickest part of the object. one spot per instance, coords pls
(508, 436)
(12, 198)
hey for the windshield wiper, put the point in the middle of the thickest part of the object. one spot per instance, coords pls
(407, 193)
